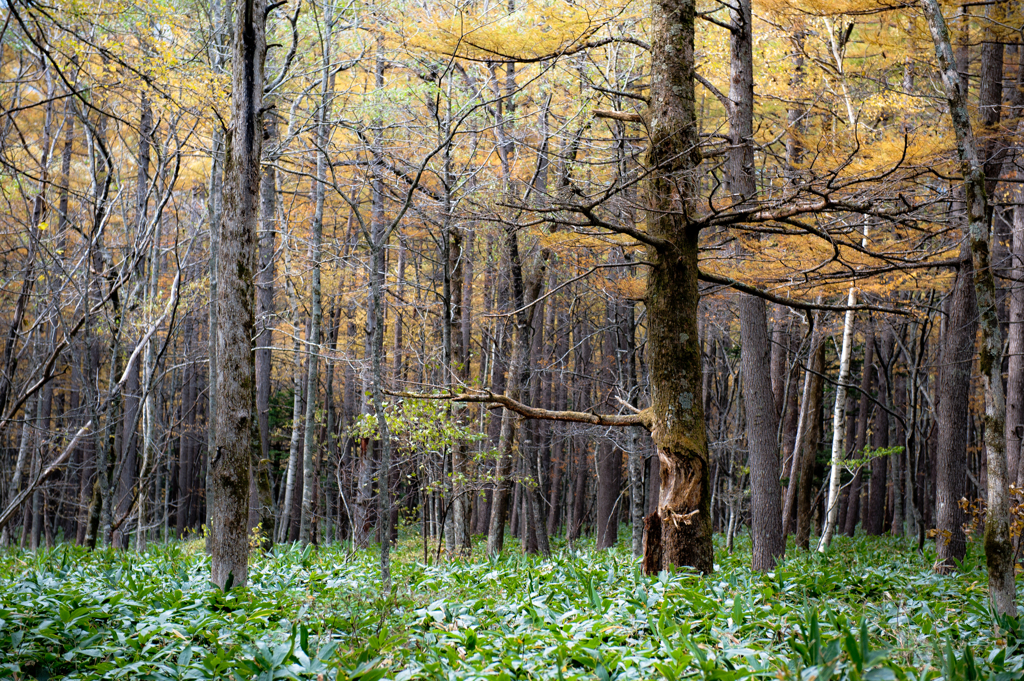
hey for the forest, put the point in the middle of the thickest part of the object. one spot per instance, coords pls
(406, 339)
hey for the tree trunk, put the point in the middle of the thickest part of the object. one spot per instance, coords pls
(128, 462)
(24, 450)
(762, 444)
(1015, 350)
(379, 234)
(998, 547)
(789, 510)
(262, 514)
(291, 475)
(897, 404)
(952, 419)
(609, 471)
(306, 519)
(839, 427)
(811, 437)
(230, 457)
(880, 440)
(679, 533)
(186, 448)
(215, 208)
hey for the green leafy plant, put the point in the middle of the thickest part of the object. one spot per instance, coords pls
(870, 610)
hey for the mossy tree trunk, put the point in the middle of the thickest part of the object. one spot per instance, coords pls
(236, 296)
(998, 547)
(679, 532)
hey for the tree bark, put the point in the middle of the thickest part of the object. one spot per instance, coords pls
(306, 518)
(863, 412)
(808, 445)
(1015, 349)
(998, 547)
(838, 428)
(679, 533)
(879, 440)
(762, 443)
(762, 414)
(262, 515)
(230, 458)
(215, 208)
(609, 470)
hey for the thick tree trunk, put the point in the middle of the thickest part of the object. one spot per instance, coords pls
(762, 444)
(679, 533)
(760, 402)
(231, 457)
(998, 547)
(952, 419)
(215, 209)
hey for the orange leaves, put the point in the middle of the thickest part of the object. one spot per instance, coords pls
(534, 31)
(825, 7)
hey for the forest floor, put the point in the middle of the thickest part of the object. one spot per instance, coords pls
(870, 609)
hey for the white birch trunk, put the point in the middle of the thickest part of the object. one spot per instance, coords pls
(839, 427)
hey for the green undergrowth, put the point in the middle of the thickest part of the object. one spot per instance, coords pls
(870, 609)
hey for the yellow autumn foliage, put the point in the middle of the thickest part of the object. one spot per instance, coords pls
(533, 31)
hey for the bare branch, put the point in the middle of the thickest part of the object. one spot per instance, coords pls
(12, 508)
(627, 116)
(793, 302)
(643, 418)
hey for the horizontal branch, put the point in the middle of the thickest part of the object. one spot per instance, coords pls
(491, 55)
(627, 116)
(643, 418)
(556, 289)
(792, 302)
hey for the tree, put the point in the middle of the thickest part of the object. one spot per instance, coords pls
(236, 296)
(679, 532)
(762, 416)
(998, 547)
